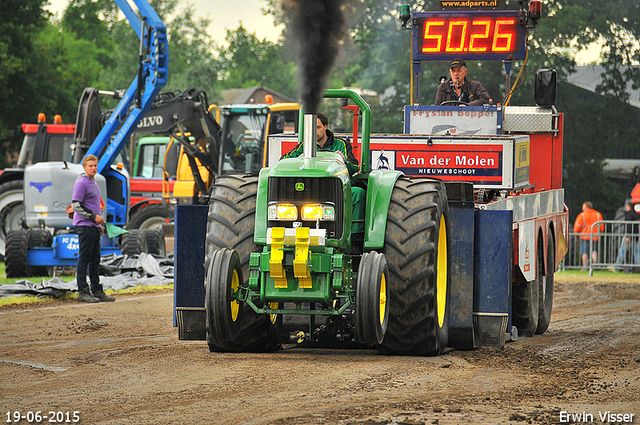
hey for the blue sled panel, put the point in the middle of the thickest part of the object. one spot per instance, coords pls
(188, 292)
(492, 276)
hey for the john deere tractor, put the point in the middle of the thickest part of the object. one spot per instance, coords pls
(281, 244)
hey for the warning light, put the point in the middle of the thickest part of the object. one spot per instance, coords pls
(57, 119)
(268, 99)
(535, 11)
(42, 118)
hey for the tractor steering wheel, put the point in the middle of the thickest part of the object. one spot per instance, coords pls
(453, 102)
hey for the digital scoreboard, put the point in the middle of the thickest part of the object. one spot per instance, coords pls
(491, 34)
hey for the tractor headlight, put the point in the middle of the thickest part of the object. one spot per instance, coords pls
(308, 212)
(288, 212)
(315, 212)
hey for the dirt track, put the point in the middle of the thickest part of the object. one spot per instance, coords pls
(122, 363)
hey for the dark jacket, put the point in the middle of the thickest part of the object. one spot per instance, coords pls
(631, 227)
(472, 93)
(333, 144)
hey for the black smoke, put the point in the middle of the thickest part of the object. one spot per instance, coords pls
(318, 29)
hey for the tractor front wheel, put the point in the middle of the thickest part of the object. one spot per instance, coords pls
(372, 314)
(231, 325)
(230, 225)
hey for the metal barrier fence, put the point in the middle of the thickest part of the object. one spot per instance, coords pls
(617, 248)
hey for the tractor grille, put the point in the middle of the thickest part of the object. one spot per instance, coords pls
(320, 190)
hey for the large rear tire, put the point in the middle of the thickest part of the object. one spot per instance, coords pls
(230, 224)
(15, 259)
(546, 285)
(372, 314)
(11, 210)
(416, 250)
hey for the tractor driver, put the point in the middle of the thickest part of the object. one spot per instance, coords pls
(459, 89)
(326, 141)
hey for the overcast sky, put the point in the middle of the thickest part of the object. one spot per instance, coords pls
(227, 14)
(224, 14)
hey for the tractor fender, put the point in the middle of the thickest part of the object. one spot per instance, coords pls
(260, 232)
(11, 174)
(380, 184)
(141, 204)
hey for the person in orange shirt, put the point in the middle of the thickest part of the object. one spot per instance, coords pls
(584, 225)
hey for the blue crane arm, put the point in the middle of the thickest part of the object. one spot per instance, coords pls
(153, 72)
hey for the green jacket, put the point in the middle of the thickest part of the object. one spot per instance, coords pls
(333, 144)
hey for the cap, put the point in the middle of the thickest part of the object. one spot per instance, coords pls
(457, 63)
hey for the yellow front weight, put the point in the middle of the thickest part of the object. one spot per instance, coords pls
(300, 263)
(276, 269)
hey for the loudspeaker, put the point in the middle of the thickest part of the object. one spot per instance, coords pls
(545, 92)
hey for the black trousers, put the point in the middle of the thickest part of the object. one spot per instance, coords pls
(89, 257)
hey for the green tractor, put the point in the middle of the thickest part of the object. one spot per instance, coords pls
(280, 244)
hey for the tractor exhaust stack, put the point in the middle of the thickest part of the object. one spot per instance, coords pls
(309, 148)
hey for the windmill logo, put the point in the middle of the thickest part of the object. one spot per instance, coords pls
(40, 185)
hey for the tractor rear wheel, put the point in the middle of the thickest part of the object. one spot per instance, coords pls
(372, 315)
(546, 285)
(230, 224)
(416, 250)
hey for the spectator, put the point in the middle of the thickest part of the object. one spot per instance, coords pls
(86, 202)
(584, 225)
(629, 239)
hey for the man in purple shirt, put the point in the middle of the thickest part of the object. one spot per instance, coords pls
(86, 205)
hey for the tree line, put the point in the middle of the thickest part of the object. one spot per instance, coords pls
(45, 64)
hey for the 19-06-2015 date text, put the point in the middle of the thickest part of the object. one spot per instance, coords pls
(53, 417)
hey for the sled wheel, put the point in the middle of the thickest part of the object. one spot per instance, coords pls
(40, 238)
(526, 299)
(372, 314)
(154, 239)
(416, 250)
(546, 285)
(15, 259)
(132, 243)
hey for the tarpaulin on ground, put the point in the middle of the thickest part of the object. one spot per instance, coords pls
(117, 272)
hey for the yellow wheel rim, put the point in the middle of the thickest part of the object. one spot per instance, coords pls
(235, 305)
(441, 282)
(383, 298)
(273, 317)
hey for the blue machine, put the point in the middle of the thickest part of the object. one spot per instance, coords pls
(45, 207)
